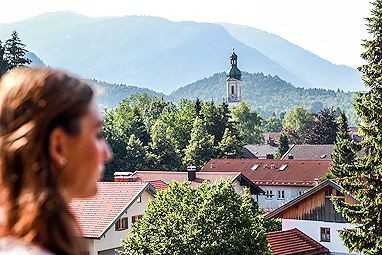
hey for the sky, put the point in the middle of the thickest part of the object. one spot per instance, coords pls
(332, 29)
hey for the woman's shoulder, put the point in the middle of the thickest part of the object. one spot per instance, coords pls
(13, 246)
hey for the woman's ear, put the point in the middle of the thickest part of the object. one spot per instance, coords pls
(58, 147)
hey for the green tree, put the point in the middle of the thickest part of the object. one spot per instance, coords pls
(15, 52)
(344, 148)
(150, 108)
(324, 129)
(298, 119)
(200, 148)
(162, 153)
(248, 123)
(117, 145)
(273, 124)
(214, 119)
(283, 146)
(229, 146)
(363, 178)
(211, 219)
(136, 155)
(3, 62)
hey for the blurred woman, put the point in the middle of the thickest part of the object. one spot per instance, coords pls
(51, 150)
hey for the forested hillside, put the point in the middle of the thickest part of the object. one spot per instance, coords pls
(269, 94)
(110, 95)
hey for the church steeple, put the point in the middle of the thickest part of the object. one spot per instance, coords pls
(233, 71)
(234, 92)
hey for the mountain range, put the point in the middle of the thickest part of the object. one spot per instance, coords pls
(163, 55)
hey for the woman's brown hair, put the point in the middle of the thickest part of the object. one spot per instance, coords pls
(32, 103)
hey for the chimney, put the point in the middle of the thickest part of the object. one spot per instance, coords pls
(269, 156)
(290, 156)
(123, 177)
(191, 170)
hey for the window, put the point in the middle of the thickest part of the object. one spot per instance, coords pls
(325, 234)
(136, 218)
(300, 192)
(269, 194)
(254, 167)
(281, 194)
(232, 90)
(328, 192)
(139, 199)
(121, 224)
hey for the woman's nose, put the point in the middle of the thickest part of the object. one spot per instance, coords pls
(108, 154)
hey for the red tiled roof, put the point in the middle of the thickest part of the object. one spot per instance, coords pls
(267, 172)
(169, 176)
(294, 242)
(94, 215)
(159, 184)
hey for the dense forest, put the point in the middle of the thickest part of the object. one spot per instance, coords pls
(270, 94)
(151, 133)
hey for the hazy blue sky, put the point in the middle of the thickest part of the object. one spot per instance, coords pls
(333, 29)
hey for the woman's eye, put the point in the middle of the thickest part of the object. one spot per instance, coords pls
(100, 135)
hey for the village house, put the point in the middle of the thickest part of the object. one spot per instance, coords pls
(161, 179)
(282, 180)
(105, 219)
(313, 214)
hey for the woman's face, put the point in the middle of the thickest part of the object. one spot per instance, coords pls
(85, 155)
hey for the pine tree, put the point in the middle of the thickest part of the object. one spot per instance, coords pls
(363, 178)
(343, 149)
(136, 155)
(229, 146)
(15, 52)
(201, 145)
(283, 146)
(198, 107)
(3, 62)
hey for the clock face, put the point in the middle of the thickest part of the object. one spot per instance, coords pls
(232, 97)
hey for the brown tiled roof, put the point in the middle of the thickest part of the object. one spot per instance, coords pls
(97, 214)
(294, 242)
(265, 172)
(310, 151)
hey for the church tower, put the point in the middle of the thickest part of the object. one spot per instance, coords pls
(234, 90)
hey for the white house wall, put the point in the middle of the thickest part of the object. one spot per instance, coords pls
(312, 229)
(290, 192)
(113, 239)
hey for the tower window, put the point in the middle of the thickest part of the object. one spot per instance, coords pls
(232, 90)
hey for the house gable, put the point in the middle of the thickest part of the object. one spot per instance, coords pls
(314, 205)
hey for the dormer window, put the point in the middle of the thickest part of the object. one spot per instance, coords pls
(323, 156)
(254, 167)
